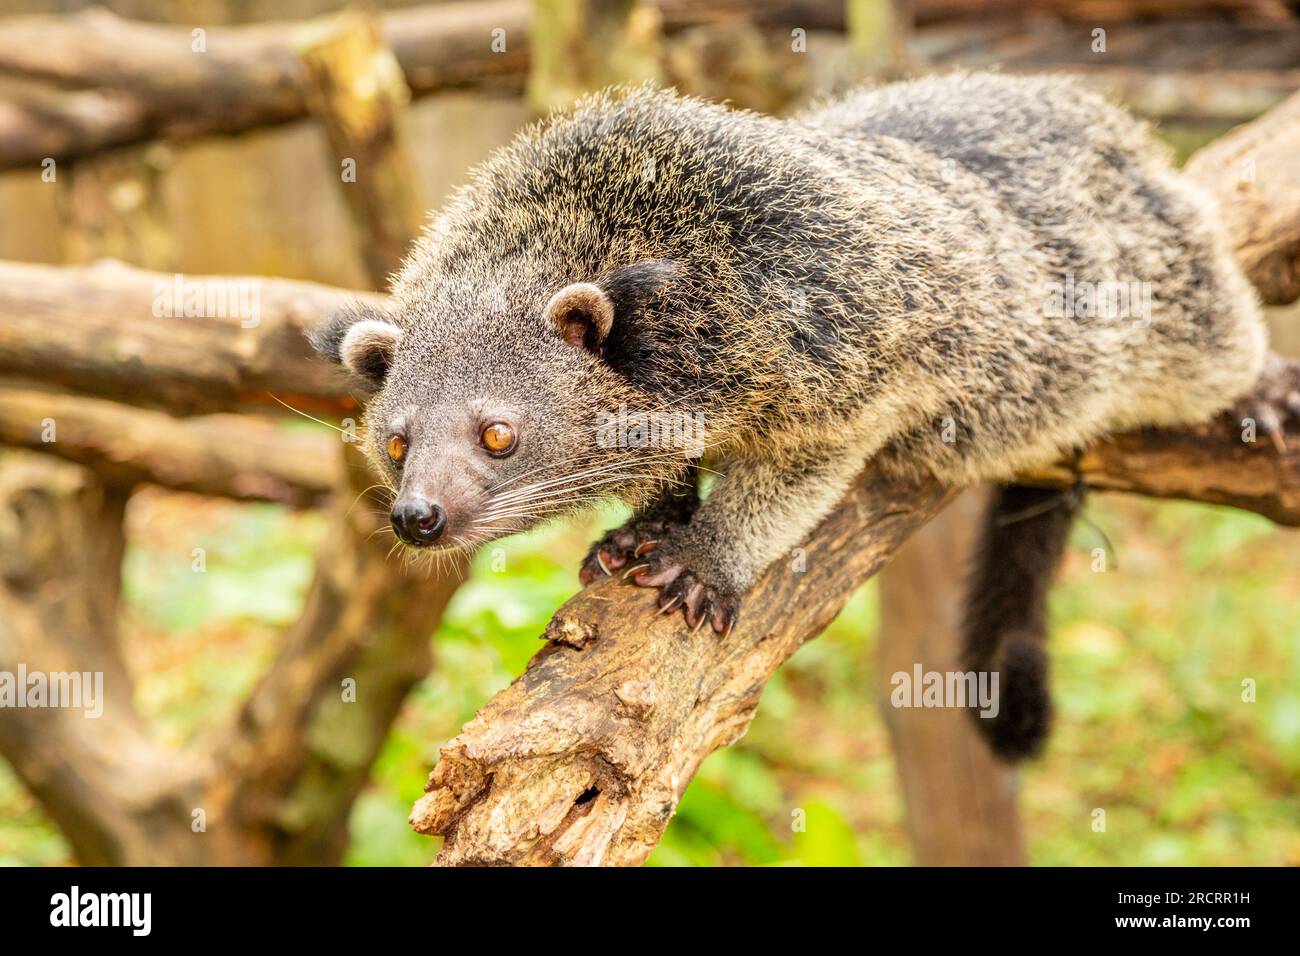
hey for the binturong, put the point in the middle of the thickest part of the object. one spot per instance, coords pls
(962, 277)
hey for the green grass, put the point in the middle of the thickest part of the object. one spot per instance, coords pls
(1148, 662)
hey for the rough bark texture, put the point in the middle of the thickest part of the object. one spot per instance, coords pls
(1255, 173)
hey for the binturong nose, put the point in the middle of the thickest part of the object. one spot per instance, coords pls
(417, 520)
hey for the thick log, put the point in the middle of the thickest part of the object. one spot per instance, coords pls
(150, 82)
(240, 457)
(112, 331)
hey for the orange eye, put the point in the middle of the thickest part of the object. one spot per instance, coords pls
(498, 438)
(396, 447)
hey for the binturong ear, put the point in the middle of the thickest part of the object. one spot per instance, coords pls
(362, 340)
(584, 313)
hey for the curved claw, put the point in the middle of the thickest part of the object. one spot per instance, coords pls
(694, 602)
(662, 578)
(723, 618)
(670, 605)
(644, 548)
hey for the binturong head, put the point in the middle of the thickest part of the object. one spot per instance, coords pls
(488, 411)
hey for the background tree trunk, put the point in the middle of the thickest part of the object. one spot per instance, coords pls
(960, 800)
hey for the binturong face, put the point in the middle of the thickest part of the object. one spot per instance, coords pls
(485, 422)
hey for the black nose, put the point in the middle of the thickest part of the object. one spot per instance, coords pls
(418, 521)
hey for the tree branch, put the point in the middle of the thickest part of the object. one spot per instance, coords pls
(582, 759)
(113, 331)
(116, 795)
(244, 458)
(1254, 172)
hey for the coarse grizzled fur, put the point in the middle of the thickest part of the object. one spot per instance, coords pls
(867, 281)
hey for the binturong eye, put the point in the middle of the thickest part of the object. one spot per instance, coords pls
(498, 438)
(396, 448)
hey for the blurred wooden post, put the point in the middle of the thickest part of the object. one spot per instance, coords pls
(355, 86)
(961, 802)
(878, 32)
(112, 207)
(583, 45)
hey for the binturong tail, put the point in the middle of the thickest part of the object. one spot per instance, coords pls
(1019, 548)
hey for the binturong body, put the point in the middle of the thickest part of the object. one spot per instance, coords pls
(963, 276)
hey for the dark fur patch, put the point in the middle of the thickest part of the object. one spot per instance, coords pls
(327, 338)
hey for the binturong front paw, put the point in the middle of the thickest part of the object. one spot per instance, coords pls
(683, 583)
(623, 546)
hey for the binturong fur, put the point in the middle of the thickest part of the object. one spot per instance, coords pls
(963, 277)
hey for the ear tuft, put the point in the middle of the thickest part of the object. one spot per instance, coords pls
(582, 313)
(368, 347)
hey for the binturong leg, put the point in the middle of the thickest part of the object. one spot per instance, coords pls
(757, 512)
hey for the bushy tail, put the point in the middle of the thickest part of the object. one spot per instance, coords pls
(1023, 538)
